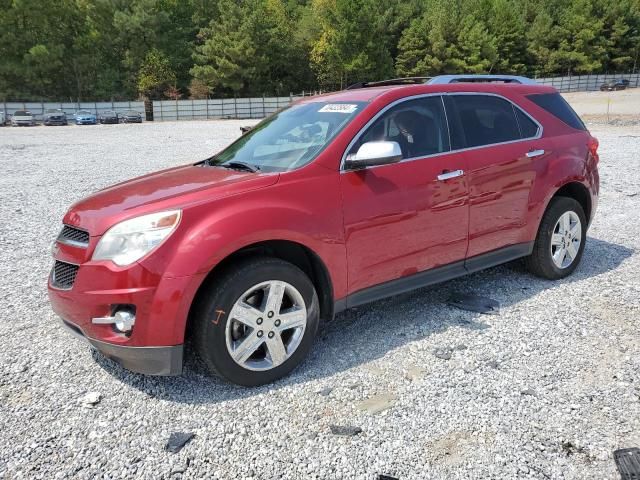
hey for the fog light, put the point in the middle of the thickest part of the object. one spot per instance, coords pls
(123, 320)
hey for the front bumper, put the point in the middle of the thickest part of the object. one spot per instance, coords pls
(145, 360)
(161, 305)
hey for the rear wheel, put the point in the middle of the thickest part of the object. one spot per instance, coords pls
(257, 321)
(560, 241)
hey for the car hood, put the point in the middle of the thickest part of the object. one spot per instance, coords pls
(164, 190)
(23, 117)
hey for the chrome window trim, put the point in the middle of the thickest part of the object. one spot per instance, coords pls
(441, 94)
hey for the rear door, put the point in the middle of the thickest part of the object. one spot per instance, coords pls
(401, 219)
(502, 145)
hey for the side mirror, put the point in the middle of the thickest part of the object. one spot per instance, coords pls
(374, 153)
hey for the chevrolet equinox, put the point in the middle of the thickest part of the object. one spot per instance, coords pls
(333, 202)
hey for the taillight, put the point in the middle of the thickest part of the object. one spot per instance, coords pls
(593, 144)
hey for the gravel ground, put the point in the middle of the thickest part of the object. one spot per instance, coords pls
(547, 388)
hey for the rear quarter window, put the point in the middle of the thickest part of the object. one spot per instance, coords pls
(558, 107)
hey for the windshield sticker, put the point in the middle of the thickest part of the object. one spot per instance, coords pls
(339, 108)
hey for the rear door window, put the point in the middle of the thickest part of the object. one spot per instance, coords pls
(483, 120)
(418, 125)
(558, 107)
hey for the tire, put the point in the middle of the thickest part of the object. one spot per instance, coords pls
(541, 262)
(217, 333)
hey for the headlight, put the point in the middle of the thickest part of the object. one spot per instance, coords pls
(128, 241)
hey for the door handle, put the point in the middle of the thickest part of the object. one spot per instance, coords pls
(449, 175)
(535, 153)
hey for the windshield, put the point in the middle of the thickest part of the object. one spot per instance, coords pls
(54, 110)
(109, 112)
(84, 112)
(21, 113)
(290, 138)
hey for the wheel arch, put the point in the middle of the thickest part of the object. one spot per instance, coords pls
(579, 192)
(293, 252)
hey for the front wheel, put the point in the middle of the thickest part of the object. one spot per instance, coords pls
(560, 241)
(257, 321)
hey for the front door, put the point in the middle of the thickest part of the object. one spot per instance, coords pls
(401, 219)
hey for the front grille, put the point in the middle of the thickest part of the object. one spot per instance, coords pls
(74, 236)
(63, 275)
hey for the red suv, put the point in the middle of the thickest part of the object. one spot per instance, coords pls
(336, 201)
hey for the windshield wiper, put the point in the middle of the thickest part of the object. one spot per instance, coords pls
(239, 166)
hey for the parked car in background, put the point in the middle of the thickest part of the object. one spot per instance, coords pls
(54, 116)
(331, 203)
(85, 117)
(108, 116)
(619, 84)
(22, 118)
(131, 116)
(3, 119)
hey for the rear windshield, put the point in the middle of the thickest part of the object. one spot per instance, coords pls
(559, 108)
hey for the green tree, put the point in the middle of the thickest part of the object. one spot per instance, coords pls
(227, 60)
(113, 49)
(155, 75)
(352, 45)
(505, 19)
(581, 48)
(252, 48)
(621, 31)
(450, 37)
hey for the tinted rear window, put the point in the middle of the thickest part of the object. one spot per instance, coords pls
(558, 107)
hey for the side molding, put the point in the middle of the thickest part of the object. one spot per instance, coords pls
(434, 276)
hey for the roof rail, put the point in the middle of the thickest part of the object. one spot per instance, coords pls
(443, 79)
(391, 81)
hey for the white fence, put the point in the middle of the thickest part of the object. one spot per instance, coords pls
(38, 108)
(587, 83)
(260, 107)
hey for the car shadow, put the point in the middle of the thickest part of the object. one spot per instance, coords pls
(362, 335)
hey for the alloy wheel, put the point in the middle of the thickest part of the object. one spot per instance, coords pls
(266, 325)
(566, 239)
